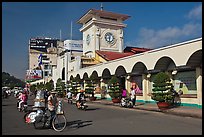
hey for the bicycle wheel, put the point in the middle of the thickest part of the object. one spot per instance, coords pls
(59, 122)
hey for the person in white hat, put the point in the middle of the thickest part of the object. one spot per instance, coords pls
(52, 104)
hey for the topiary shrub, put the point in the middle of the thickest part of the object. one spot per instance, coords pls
(114, 88)
(162, 91)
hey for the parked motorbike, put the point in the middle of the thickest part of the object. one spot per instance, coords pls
(126, 102)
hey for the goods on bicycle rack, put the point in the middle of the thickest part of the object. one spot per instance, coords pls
(33, 116)
(38, 108)
(41, 118)
(40, 99)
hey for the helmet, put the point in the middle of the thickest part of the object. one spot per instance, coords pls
(82, 90)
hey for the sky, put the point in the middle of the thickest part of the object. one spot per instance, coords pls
(151, 25)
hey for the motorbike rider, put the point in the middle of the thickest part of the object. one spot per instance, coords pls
(80, 97)
(23, 98)
(69, 97)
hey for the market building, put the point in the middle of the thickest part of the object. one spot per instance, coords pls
(103, 41)
(102, 54)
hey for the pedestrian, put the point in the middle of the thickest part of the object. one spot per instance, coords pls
(52, 105)
(124, 93)
(137, 89)
(133, 95)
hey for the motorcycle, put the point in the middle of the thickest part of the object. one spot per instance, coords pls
(23, 107)
(82, 105)
(126, 102)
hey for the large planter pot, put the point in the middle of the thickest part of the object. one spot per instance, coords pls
(92, 98)
(163, 105)
(116, 100)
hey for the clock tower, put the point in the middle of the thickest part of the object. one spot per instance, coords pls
(102, 30)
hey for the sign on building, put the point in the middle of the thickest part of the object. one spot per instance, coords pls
(73, 45)
(33, 74)
(43, 45)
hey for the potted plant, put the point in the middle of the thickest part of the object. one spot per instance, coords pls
(74, 86)
(162, 91)
(60, 87)
(89, 89)
(115, 92)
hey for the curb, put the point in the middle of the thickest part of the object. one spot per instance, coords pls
(172, 112)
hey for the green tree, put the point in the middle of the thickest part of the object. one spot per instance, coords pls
(11, 81)
(49, 85)
(33, 88)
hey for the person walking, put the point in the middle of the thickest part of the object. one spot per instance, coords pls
(133, 96)
(124, 93)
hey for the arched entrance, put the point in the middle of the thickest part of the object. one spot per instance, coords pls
(63, 74)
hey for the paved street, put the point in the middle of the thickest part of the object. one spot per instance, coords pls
(102, 119)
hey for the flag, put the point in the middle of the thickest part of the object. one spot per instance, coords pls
(40, 59)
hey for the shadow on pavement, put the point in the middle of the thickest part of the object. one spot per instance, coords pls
(89, 109)
(78, 123)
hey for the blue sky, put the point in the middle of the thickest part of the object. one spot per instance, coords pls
(151, 25)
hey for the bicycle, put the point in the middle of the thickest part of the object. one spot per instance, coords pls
(41, 119)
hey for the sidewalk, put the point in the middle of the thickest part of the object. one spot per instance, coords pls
(180, 110)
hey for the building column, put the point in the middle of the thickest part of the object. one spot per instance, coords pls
(66, 67)
(199, 85)
(128, 84)
(121, 41)
(148, 87)
(97, 39)
(144, 87)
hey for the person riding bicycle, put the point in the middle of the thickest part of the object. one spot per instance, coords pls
(52, 104)
(80, 97)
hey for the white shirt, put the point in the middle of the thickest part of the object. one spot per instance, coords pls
(69, 95)
(77, 96)
(53, 100)
(132, 94)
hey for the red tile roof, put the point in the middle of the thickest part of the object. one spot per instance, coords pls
(136, 50)
(128, 51)
(109, 55)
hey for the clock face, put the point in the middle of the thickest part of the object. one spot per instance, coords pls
(88, 39)
(109, 38)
